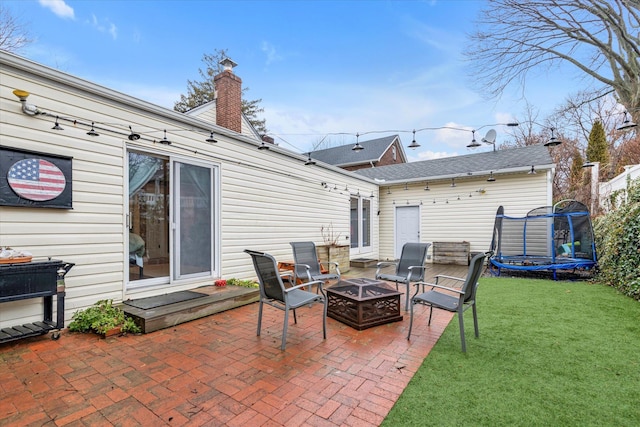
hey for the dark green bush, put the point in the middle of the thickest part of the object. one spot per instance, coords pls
(102, 317)
(618, 244)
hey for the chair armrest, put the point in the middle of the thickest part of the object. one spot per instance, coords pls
(307, 268)
(410, 268)
(309, 284)
(386, 263)
(382, 264)
(433, 285)
(444, 276)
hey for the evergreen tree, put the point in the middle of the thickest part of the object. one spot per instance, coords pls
(598, 149)
(576, 173)
(202, 91)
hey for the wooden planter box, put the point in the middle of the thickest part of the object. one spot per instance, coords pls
(339, 254)
(451, 253)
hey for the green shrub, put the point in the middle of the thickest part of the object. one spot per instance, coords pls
(102, 317)
(618, 244)
(243, 283)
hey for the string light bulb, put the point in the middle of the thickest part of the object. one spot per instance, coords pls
(164, 140)
(133, 136)
(211, 139)
(473, 143)
(627, 123)
(414, 144)
(57, 126)
(92, 132)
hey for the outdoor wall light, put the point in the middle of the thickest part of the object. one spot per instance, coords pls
(28, 109)
(491, 177)
(532, 171)
(263, 146)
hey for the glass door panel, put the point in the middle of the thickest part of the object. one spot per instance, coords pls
(194, 219)
(148, 216)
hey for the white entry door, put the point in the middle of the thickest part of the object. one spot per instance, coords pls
(407, 226)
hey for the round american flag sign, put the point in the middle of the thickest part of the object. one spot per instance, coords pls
(36, 179)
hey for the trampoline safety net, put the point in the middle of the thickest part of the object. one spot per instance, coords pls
(547, 238)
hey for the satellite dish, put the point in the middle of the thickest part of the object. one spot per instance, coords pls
(490, 137)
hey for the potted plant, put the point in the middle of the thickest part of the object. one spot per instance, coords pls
(332, 250)
(104, 319)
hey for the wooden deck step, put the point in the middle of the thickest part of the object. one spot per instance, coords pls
(363, 262)
(217, 300)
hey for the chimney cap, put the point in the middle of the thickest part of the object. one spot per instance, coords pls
(228, 64)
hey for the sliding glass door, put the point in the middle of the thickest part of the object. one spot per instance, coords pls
(171, 219)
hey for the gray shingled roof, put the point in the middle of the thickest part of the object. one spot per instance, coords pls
(344, 155)
(477, 163)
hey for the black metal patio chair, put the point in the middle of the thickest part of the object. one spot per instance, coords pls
(274, 293)
(452, 299)
(409, 268)
(307, 267)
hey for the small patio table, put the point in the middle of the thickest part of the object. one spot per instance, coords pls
(363, 303)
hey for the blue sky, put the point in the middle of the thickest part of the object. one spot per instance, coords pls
(320, 67)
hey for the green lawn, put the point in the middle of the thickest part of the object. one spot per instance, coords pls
(549, 353)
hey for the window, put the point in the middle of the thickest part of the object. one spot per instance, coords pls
(171, 219)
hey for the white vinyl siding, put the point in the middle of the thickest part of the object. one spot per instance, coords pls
(468, 219)
(266, 200)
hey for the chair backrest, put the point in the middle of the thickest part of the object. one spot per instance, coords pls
(271, 285)
(475, 270)
(305, 253)
(412, 254)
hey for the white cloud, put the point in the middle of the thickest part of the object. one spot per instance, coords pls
(272, 54)
(58, 7)
(113, 30)
(107, 27)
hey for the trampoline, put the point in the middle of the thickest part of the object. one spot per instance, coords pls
(558, 237)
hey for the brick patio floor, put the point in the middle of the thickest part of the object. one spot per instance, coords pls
(215, 371)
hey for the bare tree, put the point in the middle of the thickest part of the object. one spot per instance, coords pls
(13, 33)
(599, 37)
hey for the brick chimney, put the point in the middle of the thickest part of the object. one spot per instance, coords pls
(228, 97)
